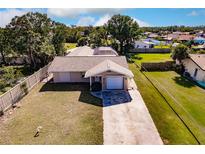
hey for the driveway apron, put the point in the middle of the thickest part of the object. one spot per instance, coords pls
(127, 120)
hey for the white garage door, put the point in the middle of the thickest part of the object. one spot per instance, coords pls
(62, 77)
(114, 82)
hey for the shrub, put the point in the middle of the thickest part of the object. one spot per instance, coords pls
(179, 69)
(24, 87)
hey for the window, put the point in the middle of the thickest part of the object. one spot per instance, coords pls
(82, 74)
(195, 72)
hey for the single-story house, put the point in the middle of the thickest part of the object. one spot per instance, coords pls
(111, 71)
(175, 44)
(143, 44)
(153, 35)
(199, 40)
(185, 38)
(199, 47)
(195, 66)
(153, 41)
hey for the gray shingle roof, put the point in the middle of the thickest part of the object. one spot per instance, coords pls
(108, 65)
(82, 63)
(82, 51)
(199, 59)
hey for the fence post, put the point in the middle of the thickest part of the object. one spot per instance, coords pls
(35, 77)
(12, 99)
(2, 104)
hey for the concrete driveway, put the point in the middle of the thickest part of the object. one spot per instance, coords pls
(128, 122)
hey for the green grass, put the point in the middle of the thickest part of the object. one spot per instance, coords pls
(67, 113)
(162, 46)
(148, 57)
(70, 45)
(190, 99)
(188, 95)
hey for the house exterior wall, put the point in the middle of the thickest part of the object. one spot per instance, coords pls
(72, 77)
(141, 45)
(190, 67)
(57, 76)
(77, 77)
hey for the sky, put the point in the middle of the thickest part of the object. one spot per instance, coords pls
(97, 17)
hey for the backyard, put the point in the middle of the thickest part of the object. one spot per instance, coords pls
(148, 57)
(187, 102)
(67, 113)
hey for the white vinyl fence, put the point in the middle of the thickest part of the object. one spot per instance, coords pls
(16, 93)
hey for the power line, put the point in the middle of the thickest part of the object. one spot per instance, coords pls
(176, 101)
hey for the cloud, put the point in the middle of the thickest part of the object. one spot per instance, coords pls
(193, 13)
(86, 21)
(142, 23)
(102, 20)
(75, 12)
(8, 14)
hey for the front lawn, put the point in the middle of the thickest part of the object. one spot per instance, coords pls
(162, 46)
(189, 96)
(68, 114)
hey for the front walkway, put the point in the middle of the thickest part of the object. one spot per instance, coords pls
(129, 123)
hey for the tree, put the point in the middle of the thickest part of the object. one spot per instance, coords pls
(125, 30)
(180, 52)
(98, 37)
(28, 33)
(4, 44)
(82, 41)
(59, 38)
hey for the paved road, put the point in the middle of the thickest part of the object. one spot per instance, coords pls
(129, 123)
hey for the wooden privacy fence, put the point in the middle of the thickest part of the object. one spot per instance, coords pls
(158, 66)
(151, 50)
(16, 93)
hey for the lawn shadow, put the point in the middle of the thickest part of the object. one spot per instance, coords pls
(183, 82)
(85, 95)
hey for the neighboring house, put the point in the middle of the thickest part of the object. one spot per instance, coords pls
(199, 47)
(153, 41)
(200, 33)
(153, 35)
(109, 70)
(199, 40)
(195, 66)
(143, 44)
(185, 38)
(173, 36)
(175, 44)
